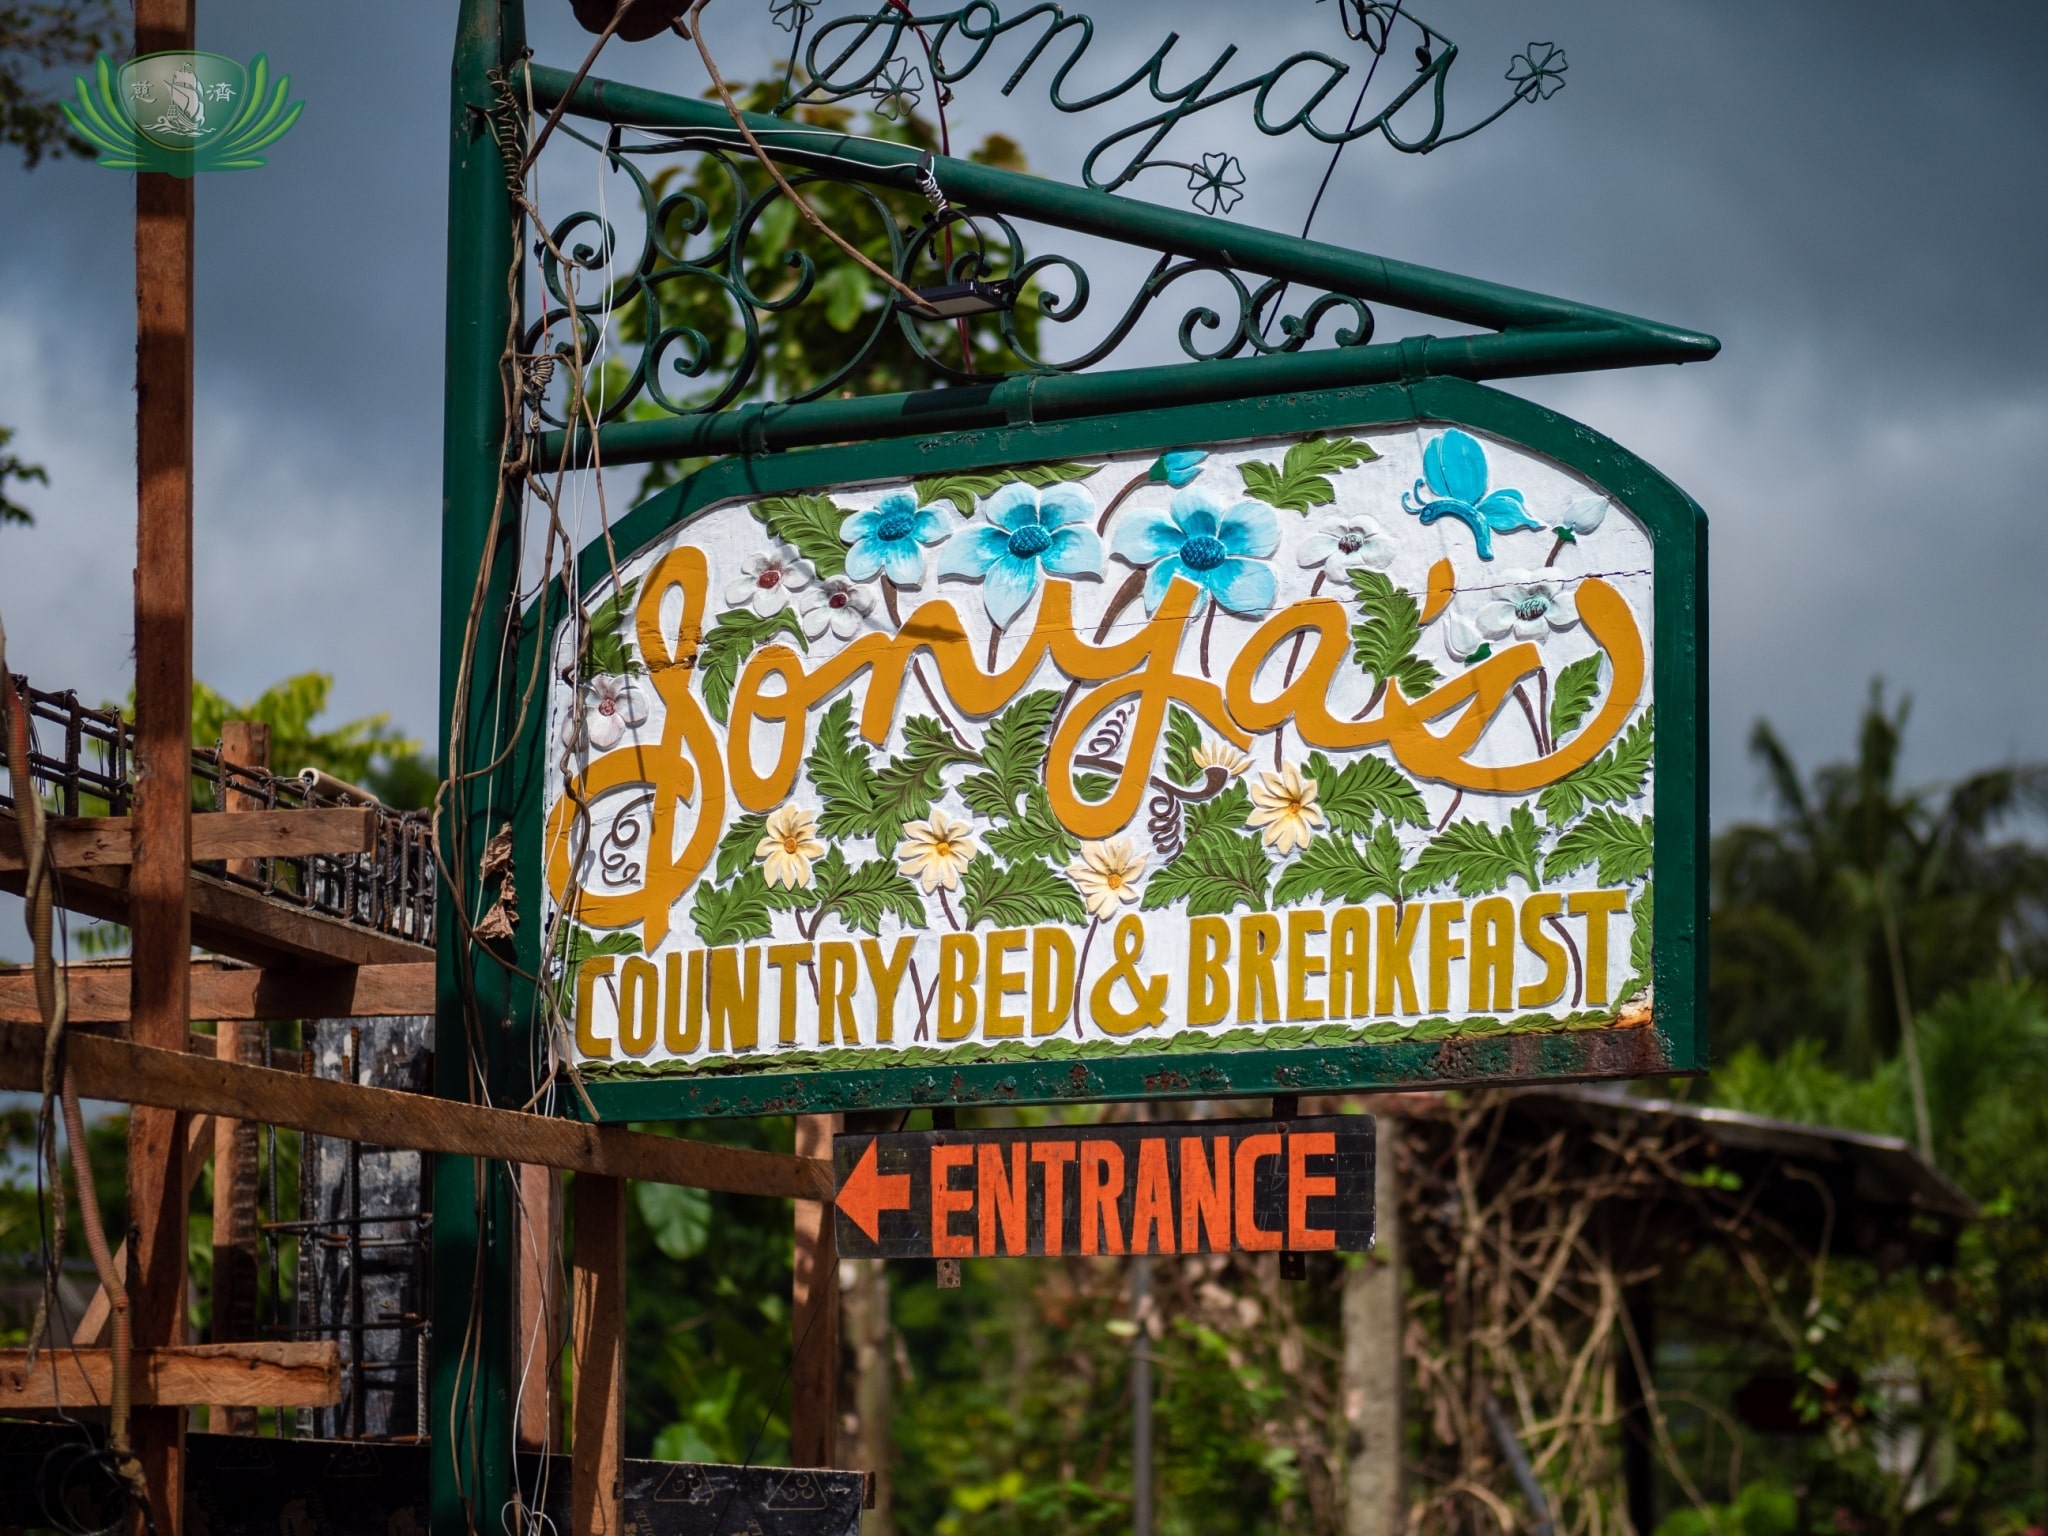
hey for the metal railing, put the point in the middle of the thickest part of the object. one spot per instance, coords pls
(81, 761)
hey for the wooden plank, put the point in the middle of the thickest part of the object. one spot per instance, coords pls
(239, 923)
(538, 1193)
(119, 1070)
(99, 993)
(92, 1326)
(597, 1447)
(814, 1317)
(1209, 1186)
(248, 1375)
(235, 1156)
(107, 842)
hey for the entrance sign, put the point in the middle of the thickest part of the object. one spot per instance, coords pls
(1211, 1186)
(1148, 759)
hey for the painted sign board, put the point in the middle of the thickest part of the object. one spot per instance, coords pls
(1198, 752)
(1210, 1186)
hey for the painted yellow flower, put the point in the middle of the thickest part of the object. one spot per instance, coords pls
(1284, 805)
(934, 852)
(1221, 754)
(1108, 874)
(789, 846)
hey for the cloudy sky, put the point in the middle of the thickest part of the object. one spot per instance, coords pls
(1846, 194)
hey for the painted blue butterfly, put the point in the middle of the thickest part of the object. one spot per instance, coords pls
(1454, 477)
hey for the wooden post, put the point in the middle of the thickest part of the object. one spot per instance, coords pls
(160, 913)
(598, 1449)
(539, 1365)
(814, 1319)
(246, 744)
(1374, 1316)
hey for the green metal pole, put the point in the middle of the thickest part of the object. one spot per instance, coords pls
(482, 1041)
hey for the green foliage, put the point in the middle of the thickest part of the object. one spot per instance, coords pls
(1228, 812)
(1037, 834)
(1018, 895)
(11, 467)
(964, 489)
(861, 801)
(736, 914)
(1642, 913)
(1572, 695)
(1478, 857)
(368, 752)
(736, 849)
(678, 1219)
(1302, 481)
(1366, 787)
(1614, 776)
(1762, 1509)
(1340, 869)
(1384, 644)
(1216, 872)
(738, 633)
(1013, 752)
(1621, 845)
(41, 45)
(811, 523)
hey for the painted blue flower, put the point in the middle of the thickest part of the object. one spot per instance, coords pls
(1216, 547)
(1027, 530)
(887, 539)
(1177, 467)
(1454, 473)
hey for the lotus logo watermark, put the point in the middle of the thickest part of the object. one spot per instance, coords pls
(182, 112)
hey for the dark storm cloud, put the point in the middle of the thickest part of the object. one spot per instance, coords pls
(1844, 193)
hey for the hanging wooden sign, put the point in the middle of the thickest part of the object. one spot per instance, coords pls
(1208, 751)
(1211, 1186)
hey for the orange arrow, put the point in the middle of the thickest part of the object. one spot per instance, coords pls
(866, 1194)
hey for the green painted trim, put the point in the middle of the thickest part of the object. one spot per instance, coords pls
(1540, 334)
(1675, 1042)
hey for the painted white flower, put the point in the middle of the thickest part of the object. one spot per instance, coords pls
(1284, 809)
(1343, 544)
(610, 707)
(1221, 754)
(934, 852)
(1581, 517)
(1530, 605)
(766, 582)
(837, 604)
(1107, 874)
(1463, 639)
(788, 847)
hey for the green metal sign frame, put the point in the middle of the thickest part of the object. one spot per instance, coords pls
(489, 1041)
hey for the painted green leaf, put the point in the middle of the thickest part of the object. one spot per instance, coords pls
(736, 848)
(1018, 895)
(738, 633)
(580, 946)
(1228, 812)
(839, 766)
(906, 786)
(1302, 481)
(1619, 844)
(863, 801)
(1639, 944)
(1214, 874)
(963, 490)
(1353, 795)
(1573, 694)
(811, 523)
(1384, 644)
(1037, 834)
(1183, 740)
(608, 636)
(1614, 776)
(733, 914)
(1013, 750)
(1093, 787)
(860, 894)
(1478, 857)
(1338, 869)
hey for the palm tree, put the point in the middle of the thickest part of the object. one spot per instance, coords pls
(1862, 895)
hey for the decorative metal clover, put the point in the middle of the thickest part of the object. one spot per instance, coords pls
(792, 15)
(1538, 72)
(897, 89)
(1215, 180)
